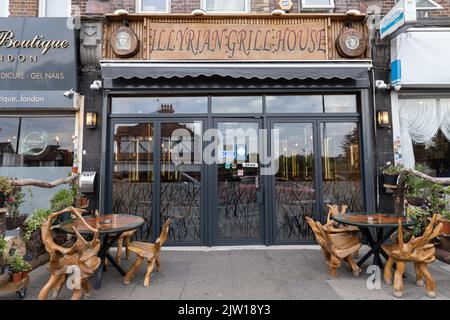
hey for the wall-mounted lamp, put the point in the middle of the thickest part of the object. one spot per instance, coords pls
(91, 120)
(383, 119)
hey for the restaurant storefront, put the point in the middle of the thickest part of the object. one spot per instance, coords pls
(198, 111)
(39, 103)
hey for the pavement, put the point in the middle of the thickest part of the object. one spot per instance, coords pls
(247, 273)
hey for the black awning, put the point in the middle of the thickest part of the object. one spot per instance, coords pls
(358, 71)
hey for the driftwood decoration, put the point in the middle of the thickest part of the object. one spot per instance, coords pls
(336, 247)
(43, 184)
(149, 252)
(399, 192)
(81, 256)
(125, 237)
(419, 251)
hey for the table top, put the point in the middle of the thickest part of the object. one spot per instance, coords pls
(110, 223)
(372, 220)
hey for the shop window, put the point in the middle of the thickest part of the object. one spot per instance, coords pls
(236, 104)
(4, 8)
(426, 5)
(340, 103)
(317, 4)
(36, 148)
(153, 6)
(159, 105)
(226, 5)
(36, 142)
(294, 104)
(55, 8)
(425, 134)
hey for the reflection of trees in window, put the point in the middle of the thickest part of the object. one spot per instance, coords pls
(435, 156)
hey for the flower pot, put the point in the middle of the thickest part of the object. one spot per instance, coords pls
(446, 225)
(13, 223)
(390, 180)
(17, 277)
(416, 201)
(24, 274)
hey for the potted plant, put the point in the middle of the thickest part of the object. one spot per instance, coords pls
(418, 189)
(439, 203)
(3, 244)
(6, 188)
(15, 219)
(18, 267)
(391, 174)
(62, 199)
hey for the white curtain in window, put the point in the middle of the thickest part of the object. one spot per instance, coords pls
(57, 8)
(4, 8)
(420, 121)
(445, 126)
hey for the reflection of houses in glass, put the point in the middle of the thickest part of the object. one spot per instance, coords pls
(8, 155)
(51, 156)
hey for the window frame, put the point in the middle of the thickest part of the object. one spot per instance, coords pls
(436, 5)
(246, 10)
(43, 7)
(6, 4)
(317, 6)
(139, 7)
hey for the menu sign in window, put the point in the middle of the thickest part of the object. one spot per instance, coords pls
(37, 62)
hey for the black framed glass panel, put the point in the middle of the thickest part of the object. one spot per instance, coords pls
(159, 105)
(294, 104)
(341, 165)
(295, 194)
(341, 103)
(132, 187)
(242, 104)
(181, 179)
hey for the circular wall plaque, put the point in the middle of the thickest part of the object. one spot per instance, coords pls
(34, 143)
(124, 42)
(351, 43)
(285, 5)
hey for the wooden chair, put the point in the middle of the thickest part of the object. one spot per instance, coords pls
(125, 237)
(81, 259)
(419, 251)
(336, 247)
(332, 226)
(149, 252)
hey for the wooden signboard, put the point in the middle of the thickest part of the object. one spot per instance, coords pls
(201, 41)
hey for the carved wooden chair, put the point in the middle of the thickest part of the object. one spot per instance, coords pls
(80, 259)
(125, 237)
(419, 251)
(149, 252)
(336, 247)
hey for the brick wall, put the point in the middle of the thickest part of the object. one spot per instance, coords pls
(99, 7)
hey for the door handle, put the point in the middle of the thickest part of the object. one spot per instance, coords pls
(259, 197)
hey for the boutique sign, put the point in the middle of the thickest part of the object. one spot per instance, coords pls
(37, 62)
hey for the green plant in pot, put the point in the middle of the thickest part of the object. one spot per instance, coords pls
(6, 188)
(19, 267)
(35, 222)
(15, 219)
(439, 203)
(62, 199)
(391, 174)
(3, 244)
(420, 217)
(417, 189)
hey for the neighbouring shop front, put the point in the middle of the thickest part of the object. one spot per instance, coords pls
(169, 80)
(38, 102)
(421, 106)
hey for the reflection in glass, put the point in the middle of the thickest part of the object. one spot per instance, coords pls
(154, 5)
(236, 104)
(239, 214)
(225, 5)
(133, 173)
(294, 104)
(340, 103)
(161, 105)
(341, 165)
(181, 153)
(294, 182)
(434, 156)
(37, 142)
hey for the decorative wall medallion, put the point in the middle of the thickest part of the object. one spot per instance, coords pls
(351, 43)
(124, 42)
(285, 5)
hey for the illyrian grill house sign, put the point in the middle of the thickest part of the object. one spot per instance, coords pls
(37, 62)
(197, 41)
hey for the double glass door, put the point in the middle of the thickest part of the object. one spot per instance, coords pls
(157, 173)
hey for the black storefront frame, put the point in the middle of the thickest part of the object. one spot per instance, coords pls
(365, 120)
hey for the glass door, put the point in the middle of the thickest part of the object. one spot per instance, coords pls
(238, 185)
(294, 184)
